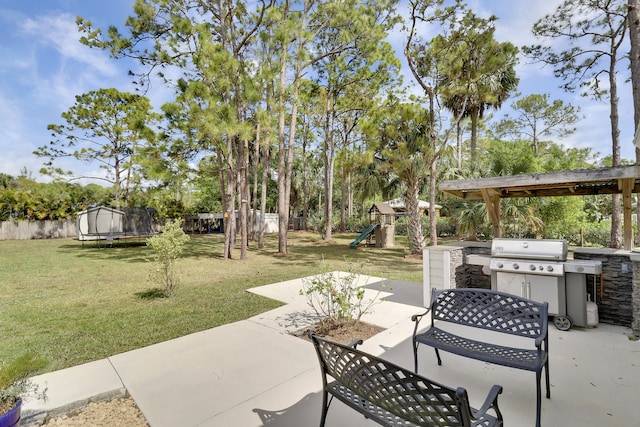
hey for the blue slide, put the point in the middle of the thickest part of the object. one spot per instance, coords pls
(364, 234)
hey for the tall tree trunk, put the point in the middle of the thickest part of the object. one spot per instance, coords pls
(328, 169)
(223, 190)
(459, 143)
(433, 235)
(254, 196)
(263, 195)
(433, 219)
(305, 185)
(283, 204)
(634, 57)
(328, 192)
(127, 188)
(244, 196)
(292, 137)
(343, 204)
(116, 182)
(230, 195)
(416, 237)
(616, 209)
(474, 134)
(286, 148)
(350, 195)
(535, 138)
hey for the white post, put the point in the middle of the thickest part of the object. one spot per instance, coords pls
(436, 270)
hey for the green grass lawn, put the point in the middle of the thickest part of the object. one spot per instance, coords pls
(75, 303)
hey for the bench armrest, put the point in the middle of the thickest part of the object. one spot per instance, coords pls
(543, 338)
(417, 318)
(355, 343)
(490, 402)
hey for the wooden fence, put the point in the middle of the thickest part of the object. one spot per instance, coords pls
(27, 230)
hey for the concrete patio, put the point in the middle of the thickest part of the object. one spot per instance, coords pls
(255, 373)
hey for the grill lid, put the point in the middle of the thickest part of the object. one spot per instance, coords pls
(540, 249)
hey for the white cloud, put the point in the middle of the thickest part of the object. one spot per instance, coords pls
(57, 67)
(44, 67)
(59, 31)
(16, 137)
(12, 119)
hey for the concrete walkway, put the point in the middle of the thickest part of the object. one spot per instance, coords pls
(254, 373)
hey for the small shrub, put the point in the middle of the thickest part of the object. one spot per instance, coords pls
(446, 227)
(316, 223)
(14, 383)
(167, 248)
(335, 297)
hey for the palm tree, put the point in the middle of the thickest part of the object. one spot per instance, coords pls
(472, 217)
(406, 150)
(476, 72)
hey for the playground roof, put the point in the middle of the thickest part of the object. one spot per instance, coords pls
(383, 208)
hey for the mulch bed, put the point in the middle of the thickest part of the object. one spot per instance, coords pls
(341, 332)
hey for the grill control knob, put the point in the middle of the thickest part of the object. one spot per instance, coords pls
(500, 265)
(516, 266)
(540, 267)
(550, 268)
(532, 267)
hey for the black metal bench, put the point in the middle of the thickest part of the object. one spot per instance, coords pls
(393, 396)
(494, 311)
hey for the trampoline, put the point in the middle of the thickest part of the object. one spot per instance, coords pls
(102, 223)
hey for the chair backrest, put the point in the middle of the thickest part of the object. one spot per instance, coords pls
(399, 391)
(492, 310)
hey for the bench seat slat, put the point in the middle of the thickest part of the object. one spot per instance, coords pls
(526, 359)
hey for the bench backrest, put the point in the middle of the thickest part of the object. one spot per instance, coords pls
(403, 393)
(492, 310)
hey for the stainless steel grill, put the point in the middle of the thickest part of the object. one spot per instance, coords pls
(538, 269)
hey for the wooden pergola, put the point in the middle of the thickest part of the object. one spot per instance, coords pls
(623, 180)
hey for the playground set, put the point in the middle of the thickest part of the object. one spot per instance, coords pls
(381, 229)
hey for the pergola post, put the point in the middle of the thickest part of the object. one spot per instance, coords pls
(627, 226)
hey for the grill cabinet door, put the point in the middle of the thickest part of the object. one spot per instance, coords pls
(512, 283)
(550, 289)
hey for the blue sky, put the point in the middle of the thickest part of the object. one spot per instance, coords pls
(43, 67)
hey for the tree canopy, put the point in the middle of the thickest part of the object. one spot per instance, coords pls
(299, 108)
(106, 126)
